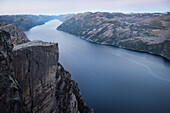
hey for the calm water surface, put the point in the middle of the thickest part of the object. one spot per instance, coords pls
(111, 80)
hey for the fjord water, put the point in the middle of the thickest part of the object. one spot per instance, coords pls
(111, 80)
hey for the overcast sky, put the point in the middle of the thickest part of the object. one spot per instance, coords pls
(76, 6)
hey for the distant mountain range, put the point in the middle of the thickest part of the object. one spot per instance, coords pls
(25, 22)
(147, 32)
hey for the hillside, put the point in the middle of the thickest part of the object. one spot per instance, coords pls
(25, 22)
(148, 32)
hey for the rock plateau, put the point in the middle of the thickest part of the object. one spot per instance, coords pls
(31, 78)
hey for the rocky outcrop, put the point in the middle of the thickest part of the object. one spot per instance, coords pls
(10, 91)
(17, 36)
(33, 81)
(68, 95)
(123, 30)
(47, 87)
(35, 70)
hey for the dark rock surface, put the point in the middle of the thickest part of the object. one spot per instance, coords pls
(34, 82)
(35, 70)
(17, 36)
(68, 95)
(148, 32)
(47, 87)
(10, 93)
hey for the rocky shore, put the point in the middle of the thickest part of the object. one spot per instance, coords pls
(147, 32)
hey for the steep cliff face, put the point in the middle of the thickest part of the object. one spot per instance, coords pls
(10, 93)
(17, 36)
(118, 29)
(35, 70)
(68, 95)
(33, 81)
(47, 87)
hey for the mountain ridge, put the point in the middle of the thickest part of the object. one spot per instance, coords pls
(147, 32)
(26, 22)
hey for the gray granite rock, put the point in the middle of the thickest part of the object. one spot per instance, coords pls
(32, 80)
(10, 91)
(17, 36)
(68, 95)
(35, 70)
(47, 87)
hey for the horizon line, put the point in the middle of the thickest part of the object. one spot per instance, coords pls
(50, 14)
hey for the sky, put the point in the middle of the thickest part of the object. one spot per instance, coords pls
(56, 7)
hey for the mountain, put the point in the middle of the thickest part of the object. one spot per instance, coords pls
(147, 32)
(25, 22)
(31, 78)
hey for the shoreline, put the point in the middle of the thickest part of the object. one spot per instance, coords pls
(121, 47)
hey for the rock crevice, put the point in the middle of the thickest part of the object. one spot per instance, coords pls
(10, 91)
(33, 81)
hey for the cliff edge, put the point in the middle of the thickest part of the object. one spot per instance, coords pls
(33, 81)
(11, 100)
